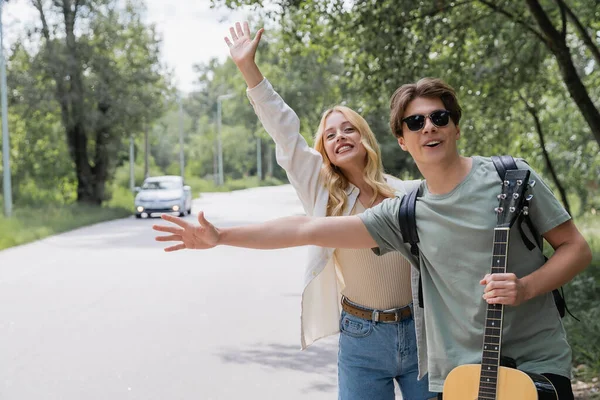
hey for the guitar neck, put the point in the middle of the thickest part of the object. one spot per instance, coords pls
(492, 338)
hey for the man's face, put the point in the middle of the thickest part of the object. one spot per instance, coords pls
(431, 144)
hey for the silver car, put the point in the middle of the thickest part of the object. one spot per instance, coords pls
(161, 194)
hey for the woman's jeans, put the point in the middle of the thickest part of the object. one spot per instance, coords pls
(373, 354)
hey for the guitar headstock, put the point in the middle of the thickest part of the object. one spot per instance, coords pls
(512, 201)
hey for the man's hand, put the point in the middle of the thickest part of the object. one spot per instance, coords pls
(205, 236)
(504, 289)
(241, 45)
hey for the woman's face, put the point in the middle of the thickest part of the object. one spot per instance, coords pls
(341, 141)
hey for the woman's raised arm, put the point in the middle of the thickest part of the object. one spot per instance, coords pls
(242, 48)
(301, 163)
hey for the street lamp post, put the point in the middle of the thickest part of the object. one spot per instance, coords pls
(181, 154)
(259, 158)
(131, 164)
(219, 142)
(5, 142)
(146, 152)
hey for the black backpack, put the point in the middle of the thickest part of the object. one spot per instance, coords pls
(408, 228)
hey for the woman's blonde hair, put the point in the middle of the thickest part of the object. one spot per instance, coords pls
(333, 178)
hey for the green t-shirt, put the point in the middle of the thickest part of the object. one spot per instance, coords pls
(456, 235)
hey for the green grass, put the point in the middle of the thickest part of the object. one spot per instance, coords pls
(32, 223)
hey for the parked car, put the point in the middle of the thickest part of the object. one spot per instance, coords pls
(160, 194)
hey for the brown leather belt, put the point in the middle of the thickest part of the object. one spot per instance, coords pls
(392, 315)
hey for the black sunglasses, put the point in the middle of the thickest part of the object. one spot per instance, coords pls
(438, 118)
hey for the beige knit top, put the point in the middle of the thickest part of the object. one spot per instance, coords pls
(379, 282)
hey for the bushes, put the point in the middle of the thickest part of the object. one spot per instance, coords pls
(583, 295)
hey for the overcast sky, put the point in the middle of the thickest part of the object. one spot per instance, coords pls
(192, 32)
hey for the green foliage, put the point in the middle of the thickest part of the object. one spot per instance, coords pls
(582, 295)
(359, 52)
(79, 93)
(121, 198)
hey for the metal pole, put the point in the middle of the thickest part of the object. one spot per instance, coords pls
(146, 151)
(5, 142)
(219, 143)
(215, 161)
(181, 156)
(269, 161)
(258, 158)
(131, 164)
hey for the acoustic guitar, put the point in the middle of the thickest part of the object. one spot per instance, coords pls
(490, 380)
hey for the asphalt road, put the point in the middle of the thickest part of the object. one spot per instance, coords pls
(103, 313)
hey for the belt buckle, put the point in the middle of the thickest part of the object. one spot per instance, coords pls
(397, 314)
(375, 316)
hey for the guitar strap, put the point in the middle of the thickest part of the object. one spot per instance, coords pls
(408, 228)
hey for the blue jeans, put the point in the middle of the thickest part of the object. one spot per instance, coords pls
(373, 354)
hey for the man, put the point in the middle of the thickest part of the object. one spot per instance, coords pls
(455, 222)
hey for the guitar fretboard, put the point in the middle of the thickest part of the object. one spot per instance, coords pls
(492, 337)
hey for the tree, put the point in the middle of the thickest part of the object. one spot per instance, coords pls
(388, 41)
(107, 80)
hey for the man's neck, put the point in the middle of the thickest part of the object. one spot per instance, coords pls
(443, 177)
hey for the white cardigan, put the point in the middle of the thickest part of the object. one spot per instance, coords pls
(321, 296)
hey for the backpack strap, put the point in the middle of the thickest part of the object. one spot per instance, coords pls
(407, 218)
(502, 164)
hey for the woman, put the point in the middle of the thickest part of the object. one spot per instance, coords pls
(343, 175)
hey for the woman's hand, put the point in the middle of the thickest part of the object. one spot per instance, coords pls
(241, 46)
(205, 236)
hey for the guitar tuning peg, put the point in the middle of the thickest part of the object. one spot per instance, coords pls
(519, 182)
(529, 197)
(505, 183)
(515, 196)
(498, 209)
(525, 210)
(531, 183)
(502, 196)
(512, 209)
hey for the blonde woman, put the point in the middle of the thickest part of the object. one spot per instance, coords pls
(366, 298)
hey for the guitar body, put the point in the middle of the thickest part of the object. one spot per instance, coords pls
(462, 383)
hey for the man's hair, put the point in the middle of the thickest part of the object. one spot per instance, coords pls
(425, 87)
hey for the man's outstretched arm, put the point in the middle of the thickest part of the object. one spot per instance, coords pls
(334, 232)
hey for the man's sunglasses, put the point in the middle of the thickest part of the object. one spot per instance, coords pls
(416, 122)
